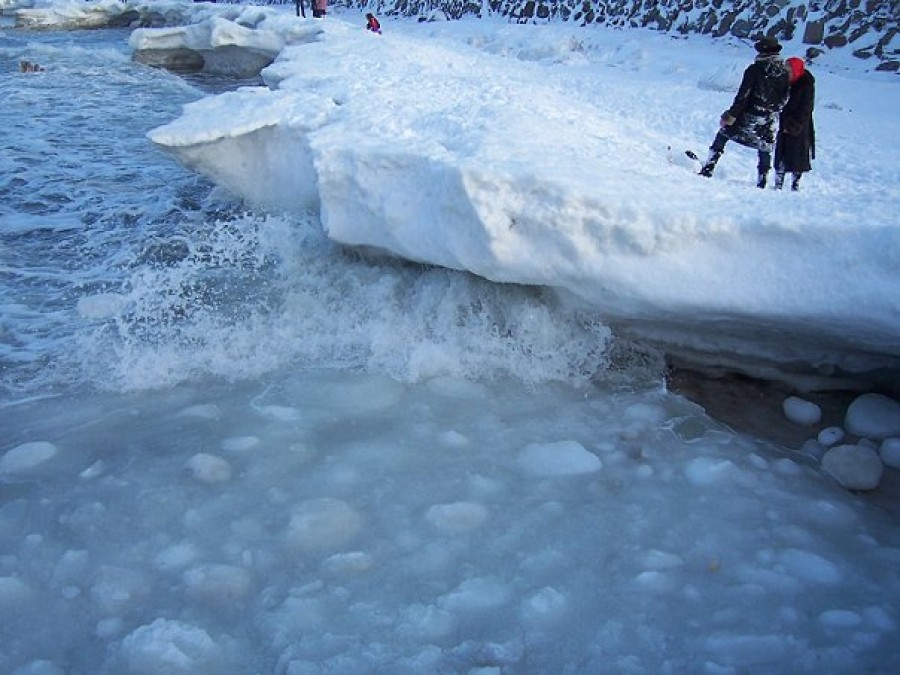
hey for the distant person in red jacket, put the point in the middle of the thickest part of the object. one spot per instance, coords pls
(796, 143)
(372, 23)
(320, 8)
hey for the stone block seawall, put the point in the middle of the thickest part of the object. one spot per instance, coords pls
(867, 27)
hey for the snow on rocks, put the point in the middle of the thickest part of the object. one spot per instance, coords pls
(856, 467)
(167, 646)
(27, 456)
(562, 458)
(801, 411)
(873, 416)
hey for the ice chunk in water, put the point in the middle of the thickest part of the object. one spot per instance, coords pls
(26, 457)
(203, 411)
(810, 566)
(563, 458)
(216, 583)
(839, 618)
(476, 594)
(702, 471)
(208, 468)
(458, 517)
(171, 647)
(322, 524)
(239, 443)
(13, 592)
(176, 557)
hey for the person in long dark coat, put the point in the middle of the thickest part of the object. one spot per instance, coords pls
(751, 119)
(796, 144)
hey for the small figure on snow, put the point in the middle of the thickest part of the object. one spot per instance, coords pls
(372, 23)
(750, 120)
(796, 144)
(320, 8)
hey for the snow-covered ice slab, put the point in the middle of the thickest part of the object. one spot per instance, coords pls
(240, 46)
(555, 174)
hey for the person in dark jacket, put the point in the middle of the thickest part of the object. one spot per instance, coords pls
(796, 144)
(750, 120)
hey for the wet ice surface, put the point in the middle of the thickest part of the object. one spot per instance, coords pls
(348, 523)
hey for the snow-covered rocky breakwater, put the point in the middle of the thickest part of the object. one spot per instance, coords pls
(867, 28)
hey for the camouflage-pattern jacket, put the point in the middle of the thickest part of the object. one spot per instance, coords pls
(763, 92)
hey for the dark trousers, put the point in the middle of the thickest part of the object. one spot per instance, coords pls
(765, 157)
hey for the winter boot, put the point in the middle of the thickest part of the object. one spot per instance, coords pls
(710, 164)
(779, 180)
(795, 183)
(761, 179)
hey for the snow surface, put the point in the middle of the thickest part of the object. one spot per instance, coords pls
(553, 156)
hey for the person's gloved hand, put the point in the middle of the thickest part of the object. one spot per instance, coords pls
(726, 120)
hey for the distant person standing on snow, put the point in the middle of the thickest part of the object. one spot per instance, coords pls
(751, 118)
(796, 144)
(372, 23)
(319, 8)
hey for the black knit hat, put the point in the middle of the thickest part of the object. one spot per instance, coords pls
(767, 45)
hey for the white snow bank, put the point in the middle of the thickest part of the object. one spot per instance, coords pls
(554, 173)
